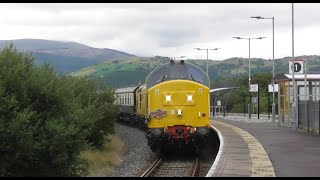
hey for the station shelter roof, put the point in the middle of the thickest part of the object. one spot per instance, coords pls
(297, 77)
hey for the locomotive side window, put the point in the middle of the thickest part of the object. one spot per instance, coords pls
(140, 100)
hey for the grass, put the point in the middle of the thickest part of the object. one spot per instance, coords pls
(84, 72)
(102, 162)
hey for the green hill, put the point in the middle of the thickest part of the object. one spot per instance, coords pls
(133, 71)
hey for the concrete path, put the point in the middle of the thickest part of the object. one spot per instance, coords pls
(240, 154)
(292, 153)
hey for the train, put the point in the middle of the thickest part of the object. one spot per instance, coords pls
(173, 105)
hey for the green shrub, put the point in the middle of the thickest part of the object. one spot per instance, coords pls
(47, 120)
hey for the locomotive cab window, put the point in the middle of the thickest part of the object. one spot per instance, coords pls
(173, 71)
(195, 75)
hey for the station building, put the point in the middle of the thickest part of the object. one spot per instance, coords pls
(308, 98)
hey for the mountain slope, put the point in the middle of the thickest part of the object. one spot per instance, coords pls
(65, 56)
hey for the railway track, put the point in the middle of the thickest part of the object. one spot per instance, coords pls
(185, 165)
(173, 167)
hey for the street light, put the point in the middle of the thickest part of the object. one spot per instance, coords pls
(174, 58)
(273, 103)
(294, 106)
(207, 56)
(249, 71)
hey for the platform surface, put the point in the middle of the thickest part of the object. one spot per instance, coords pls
(253, 148)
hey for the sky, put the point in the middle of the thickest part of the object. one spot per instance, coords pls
(170, 29)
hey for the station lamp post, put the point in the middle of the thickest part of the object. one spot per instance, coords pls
(294, 113)
(273, 103)
(207, 49)
(249, 71)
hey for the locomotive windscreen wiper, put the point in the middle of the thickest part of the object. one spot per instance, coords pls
(192, 77)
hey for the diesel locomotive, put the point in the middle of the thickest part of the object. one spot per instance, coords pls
(173, 104)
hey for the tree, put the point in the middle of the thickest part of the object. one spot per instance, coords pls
(47, 120)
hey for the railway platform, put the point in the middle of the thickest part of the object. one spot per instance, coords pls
(262, 148)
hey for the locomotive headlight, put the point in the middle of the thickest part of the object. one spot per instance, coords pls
(179, 112)
(189, 97)
(168, 98)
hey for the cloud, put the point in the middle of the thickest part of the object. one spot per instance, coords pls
(168, 29)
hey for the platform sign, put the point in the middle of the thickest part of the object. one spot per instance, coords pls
(254, 100)
(254, 87)
(275, 88)
(298, 66)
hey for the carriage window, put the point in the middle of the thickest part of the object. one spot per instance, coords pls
(131, 100)
(127, 99)
(118, 99)
(121, 99)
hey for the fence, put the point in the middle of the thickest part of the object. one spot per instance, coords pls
(309, 116)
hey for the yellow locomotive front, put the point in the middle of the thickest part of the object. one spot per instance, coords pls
(178, 105)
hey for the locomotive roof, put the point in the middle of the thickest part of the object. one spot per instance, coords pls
(177, 70)
(126, 89)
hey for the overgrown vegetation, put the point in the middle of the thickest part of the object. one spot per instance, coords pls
(47, 120)
(102, 161)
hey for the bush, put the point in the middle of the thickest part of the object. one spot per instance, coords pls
(47, 120)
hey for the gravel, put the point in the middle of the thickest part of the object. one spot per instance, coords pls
(137, 155)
